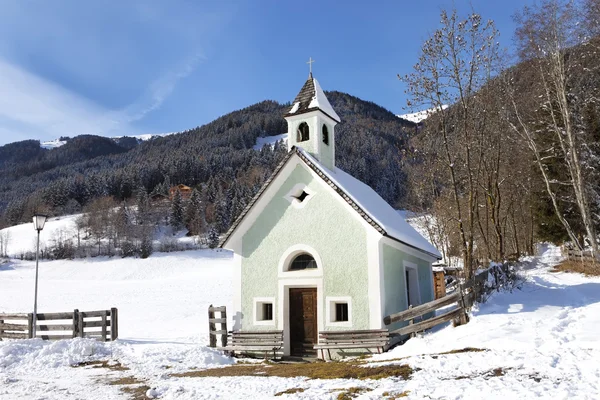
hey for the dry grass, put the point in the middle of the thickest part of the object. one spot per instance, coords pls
(136, 392)
(493, 373)
(290, 391)
(330, 370)
(349, 394)
(116, 366)
(395, 396)
(585, 267)
(126, 380)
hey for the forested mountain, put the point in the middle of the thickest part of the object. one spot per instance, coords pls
(217, 159)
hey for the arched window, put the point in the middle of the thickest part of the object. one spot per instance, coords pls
(325, 135)
(303, 261)
(302, 132)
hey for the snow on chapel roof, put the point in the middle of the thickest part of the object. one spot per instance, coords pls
(310, 98)
(377, 209)
(364, 200)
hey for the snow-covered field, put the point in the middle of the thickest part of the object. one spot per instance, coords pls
(540, 342)
(21, 239)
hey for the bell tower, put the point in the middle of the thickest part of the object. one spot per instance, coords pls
(311, 123)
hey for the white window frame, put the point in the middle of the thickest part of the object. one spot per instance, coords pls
(290, 254)
(258, 310)
(330, 302)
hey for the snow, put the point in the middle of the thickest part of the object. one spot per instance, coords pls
(52, 144)
(377, 208)
(295, 107)
(269, 141)
(420, 115)
(22, 238)
(543, 337)
(320, 101)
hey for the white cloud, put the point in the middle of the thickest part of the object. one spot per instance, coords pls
(160, 90)
(33, 107)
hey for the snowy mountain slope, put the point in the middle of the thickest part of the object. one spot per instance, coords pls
(269, 141)
(419, 116)
(540, 342)
(51, 144)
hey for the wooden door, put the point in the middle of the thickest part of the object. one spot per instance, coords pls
(303, 321)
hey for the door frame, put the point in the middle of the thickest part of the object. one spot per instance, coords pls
(284, 302)
(413, 272)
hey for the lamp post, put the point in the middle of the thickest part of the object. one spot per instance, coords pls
(39, 220)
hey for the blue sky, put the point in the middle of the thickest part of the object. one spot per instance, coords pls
(69, 67)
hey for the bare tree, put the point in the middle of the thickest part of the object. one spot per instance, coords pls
(546, 34)
(455, 62)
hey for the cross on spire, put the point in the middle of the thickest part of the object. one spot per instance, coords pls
(310, 61)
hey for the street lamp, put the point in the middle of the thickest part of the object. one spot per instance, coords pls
(39, 220)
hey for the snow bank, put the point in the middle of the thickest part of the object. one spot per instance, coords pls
(34, 354)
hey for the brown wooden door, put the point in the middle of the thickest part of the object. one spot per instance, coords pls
(303, 321)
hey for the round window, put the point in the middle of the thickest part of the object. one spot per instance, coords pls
(303, 261)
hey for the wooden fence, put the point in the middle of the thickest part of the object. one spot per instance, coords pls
(463, 299)
(212, 325)
(579, 255)
(459, 314)
(102, 325)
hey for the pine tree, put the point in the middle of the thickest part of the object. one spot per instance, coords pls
(213, 237)
(177, 210)
(193, 219)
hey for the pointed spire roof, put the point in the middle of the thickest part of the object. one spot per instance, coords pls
(310, 98)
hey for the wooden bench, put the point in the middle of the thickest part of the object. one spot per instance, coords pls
(365, 339)
(254, 341)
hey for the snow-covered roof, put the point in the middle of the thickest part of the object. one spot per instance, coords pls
(310, 98)
(361, 197)
(376, 208)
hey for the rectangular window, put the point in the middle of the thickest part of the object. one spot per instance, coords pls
(267, 311)
(341, 312)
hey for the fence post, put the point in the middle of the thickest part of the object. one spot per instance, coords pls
(463, 305)
(1, 330)
(410, 322)
(75, 323)
(81, 325)
(114, 324)
(103, 320)
(224, 328)
(211, 327)
(30, 326)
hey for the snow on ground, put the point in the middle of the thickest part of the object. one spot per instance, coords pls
(419, 116)
(21, 239)
(541, 341)
(269, 141)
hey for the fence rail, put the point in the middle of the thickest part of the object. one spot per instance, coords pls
(413, 313)
(102, 325)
